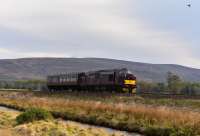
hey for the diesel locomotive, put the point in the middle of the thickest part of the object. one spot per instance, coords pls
(102, 80)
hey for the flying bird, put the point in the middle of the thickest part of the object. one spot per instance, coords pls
(189, 5)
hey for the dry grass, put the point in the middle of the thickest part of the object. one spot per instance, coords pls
(7, 119)
(142, 118)
(8, 127)
(58, 128)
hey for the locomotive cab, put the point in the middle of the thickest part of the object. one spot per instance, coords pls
(130, 82)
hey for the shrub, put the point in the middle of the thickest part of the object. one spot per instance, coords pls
(33, 114)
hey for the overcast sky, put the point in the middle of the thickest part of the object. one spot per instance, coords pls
(153, 31)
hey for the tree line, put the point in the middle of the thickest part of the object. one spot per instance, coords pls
(23, 84)
(173, 85)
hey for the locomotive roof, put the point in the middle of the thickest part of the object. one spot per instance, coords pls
(110, 70)
(99, 71)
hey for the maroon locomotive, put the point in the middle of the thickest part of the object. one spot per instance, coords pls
(109, 80)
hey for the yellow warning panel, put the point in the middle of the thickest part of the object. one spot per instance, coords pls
(130, 82)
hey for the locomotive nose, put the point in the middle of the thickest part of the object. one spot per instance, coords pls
(130, 82)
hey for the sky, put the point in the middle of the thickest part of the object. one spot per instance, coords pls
(152, 31)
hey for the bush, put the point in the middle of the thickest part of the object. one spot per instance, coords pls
(33, 114)
(156, 131)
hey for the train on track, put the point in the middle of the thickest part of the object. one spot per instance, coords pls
(118, 80)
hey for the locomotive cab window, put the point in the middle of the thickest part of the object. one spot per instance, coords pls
(130, 77)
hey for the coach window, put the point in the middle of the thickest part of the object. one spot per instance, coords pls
(55, 80)
(111, 77)
(67, 77)
(70, 77)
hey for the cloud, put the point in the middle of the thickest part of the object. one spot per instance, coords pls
(4, 51)
(90, 28)
(7, 54)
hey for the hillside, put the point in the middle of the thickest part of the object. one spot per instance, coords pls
(39, 68)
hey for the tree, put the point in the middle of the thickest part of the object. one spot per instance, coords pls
(174, 82)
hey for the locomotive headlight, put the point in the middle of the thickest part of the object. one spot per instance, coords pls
(130, 82)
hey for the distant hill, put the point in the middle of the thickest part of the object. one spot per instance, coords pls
(39, 68)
